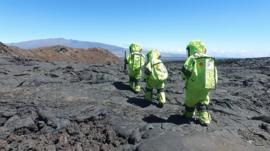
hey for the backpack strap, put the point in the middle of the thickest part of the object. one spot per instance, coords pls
(200, 56)
(137, 53)
(156, 63)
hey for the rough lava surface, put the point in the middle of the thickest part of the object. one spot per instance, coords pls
(69, 106)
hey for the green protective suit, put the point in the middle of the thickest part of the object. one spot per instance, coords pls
(155, 75)
(200, 77)
(136, 61)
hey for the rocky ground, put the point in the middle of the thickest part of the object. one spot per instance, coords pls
(65, 106)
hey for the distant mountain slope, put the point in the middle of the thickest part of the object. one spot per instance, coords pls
(12, 51)
(119, 51)
(62, 53)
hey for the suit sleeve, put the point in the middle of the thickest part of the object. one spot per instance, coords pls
(188, 68)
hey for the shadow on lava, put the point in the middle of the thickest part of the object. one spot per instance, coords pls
(140, 102)
(121, 86)
(175, 119)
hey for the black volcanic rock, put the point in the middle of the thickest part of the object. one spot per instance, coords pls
(74, 106)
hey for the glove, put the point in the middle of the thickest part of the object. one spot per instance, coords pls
(186, 72)
(147, 72)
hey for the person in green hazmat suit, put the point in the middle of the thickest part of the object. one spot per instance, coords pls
(200, 75)
(135, 61)
(155, 75)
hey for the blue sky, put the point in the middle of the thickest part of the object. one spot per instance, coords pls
(238, 28)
